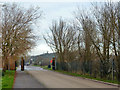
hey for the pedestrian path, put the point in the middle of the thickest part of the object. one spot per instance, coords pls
(25, 80)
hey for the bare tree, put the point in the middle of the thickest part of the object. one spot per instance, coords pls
(17, 36)
(63, 40)
(118, 42)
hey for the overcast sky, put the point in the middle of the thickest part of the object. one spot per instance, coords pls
(52, 11)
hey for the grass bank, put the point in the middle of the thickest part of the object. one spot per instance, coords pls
(83, 76)
(8, 79)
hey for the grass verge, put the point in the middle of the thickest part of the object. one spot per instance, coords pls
(8, 79)
(0, 79)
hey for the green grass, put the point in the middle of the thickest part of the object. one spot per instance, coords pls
(8, 79)
(84, 76)
(0, 79)
(37, 65)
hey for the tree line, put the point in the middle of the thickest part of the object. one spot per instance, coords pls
(90, 43)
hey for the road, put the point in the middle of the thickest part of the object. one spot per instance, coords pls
(51, 79)
(25, 80)
(27, 68)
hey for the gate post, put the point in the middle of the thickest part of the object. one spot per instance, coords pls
(53, 63)
(22, 64)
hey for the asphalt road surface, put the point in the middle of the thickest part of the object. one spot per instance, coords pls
(31, 68)
(25, 80)
(51, 79)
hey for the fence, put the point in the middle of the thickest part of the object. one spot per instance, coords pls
(98, 68)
